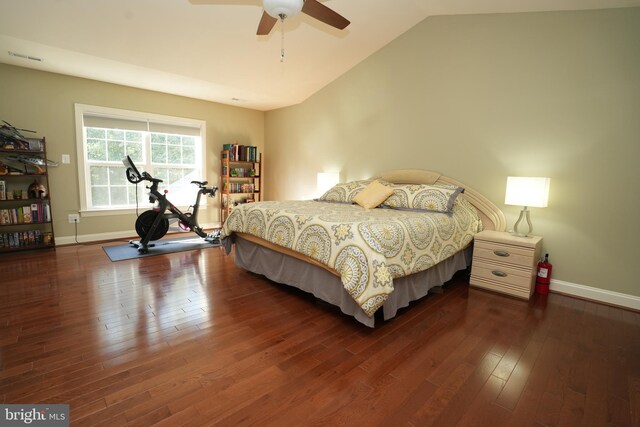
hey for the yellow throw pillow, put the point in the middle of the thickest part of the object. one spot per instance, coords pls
(374, 194)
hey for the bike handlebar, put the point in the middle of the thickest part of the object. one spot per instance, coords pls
(211, 191)
(134, 176)
(147, 177)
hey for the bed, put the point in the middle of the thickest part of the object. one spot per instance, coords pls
(365, 260)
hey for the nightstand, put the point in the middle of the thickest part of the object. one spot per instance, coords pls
(505, 263)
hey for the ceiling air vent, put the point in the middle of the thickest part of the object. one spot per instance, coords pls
(23, 56)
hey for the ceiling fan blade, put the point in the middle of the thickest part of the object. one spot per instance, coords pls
(266, 24)
(322, 13)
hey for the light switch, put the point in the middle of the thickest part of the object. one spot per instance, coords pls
(66, 159)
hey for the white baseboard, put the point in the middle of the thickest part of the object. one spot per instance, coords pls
(595, 294)
(97, 237)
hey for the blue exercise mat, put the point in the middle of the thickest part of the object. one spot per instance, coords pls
(164, 246)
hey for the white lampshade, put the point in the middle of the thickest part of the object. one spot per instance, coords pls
(527, 191)
(288, 8)
(326, 180)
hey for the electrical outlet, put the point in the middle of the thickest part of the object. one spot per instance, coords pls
(74, 218)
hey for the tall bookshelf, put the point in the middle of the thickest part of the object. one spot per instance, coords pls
(25, 200)
(241, 171)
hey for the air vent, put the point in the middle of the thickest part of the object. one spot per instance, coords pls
(23, 56)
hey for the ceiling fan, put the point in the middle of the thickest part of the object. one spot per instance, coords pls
(275, 10)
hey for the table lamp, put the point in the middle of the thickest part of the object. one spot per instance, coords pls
(325, 181)
(526, 192)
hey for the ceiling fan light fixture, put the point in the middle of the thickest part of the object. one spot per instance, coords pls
(282, 8)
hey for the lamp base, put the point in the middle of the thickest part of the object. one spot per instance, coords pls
(527, 236)
(524, 214)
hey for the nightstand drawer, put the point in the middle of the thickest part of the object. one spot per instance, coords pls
(502, 274)
(492, 285)
(503, 253)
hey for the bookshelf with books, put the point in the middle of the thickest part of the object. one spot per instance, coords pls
(25, 202)
(241, 172)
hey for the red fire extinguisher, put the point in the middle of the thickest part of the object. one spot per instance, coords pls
(544, 276)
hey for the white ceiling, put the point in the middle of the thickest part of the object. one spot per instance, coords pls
(208, 49)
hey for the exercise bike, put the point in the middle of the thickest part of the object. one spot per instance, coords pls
(154, 224)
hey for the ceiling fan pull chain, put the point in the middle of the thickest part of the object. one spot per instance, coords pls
(282, 38)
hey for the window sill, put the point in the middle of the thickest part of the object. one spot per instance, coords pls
(128, 211)
(110, 212)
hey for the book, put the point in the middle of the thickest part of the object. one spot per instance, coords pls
(5, 217)
(241, 153)
(3, 190)
(26, 214)
(35, 217)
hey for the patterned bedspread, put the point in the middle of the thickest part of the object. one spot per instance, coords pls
(368, 248)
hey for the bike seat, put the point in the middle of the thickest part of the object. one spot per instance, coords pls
(200, 183)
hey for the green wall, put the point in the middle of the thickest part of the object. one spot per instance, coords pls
(44, 102)
(482, 97)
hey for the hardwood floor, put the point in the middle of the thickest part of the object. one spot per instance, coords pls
(190, 339)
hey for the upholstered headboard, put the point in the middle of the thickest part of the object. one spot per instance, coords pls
(492, 217)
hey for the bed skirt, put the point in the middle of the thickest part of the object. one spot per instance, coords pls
(282, 268)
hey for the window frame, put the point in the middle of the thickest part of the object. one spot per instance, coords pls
(84, 175)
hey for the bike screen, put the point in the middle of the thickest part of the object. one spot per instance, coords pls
(133, 175)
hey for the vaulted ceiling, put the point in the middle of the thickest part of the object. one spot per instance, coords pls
(208, 49)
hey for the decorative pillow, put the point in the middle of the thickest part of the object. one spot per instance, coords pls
(374, 194)
(434, 198)
(344, 193)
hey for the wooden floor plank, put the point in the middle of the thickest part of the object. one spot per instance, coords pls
(191, 339)
(512, 390)
(482, 411)
(634, 400)
(436, 404)
(471, 388)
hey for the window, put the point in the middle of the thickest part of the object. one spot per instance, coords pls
(169, 148)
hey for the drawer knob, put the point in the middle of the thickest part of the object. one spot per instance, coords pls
(499, 273)
(501, 253)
